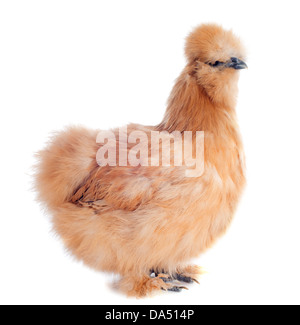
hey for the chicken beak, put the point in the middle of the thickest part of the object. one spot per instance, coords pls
(236, 63)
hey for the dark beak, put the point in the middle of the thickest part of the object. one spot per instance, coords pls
(236, 63)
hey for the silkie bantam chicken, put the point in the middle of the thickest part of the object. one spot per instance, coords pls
(145, 221)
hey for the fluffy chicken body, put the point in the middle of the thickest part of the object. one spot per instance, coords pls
(132, 220)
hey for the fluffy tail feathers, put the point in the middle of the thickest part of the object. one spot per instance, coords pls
(64, 164)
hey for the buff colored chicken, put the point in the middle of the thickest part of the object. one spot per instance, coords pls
(146, 222)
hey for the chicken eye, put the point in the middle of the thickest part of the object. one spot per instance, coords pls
(216, 64)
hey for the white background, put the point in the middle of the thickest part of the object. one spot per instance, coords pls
(106, 63)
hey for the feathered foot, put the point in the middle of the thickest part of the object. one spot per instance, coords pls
(141, 286)
(167, 279)
(188, 274)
